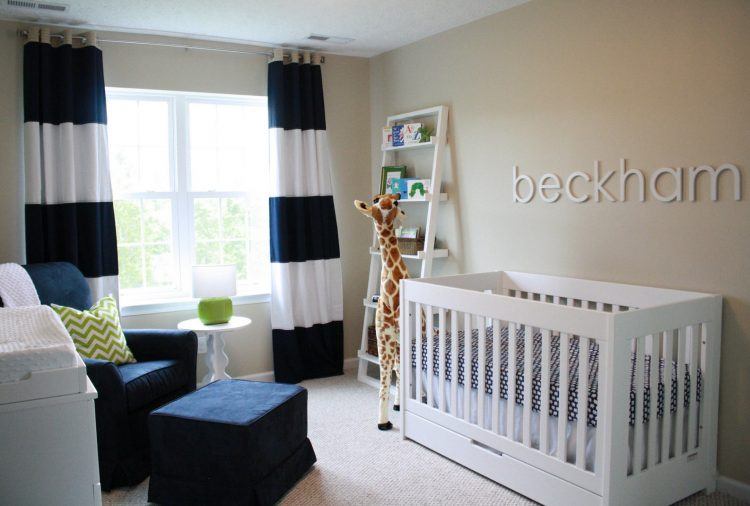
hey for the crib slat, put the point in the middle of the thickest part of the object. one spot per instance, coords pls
(407, 376)
(544, 408)
(704, 367)
(527, 383)
(510, 405)
(454, 363)
(583, 387)
(418, 351)
(653, 385)
(495, 376)
(600, 306)
(680, 413)
(430, 357)
(666, 421)
(638, 387)
(481, 361)
(467, 367)
(602, 380)
(562, 419)
(441, 358)
(693, 336)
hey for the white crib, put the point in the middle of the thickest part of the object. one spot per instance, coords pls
(551, 459)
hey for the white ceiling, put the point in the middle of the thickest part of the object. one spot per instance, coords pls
(376, 25)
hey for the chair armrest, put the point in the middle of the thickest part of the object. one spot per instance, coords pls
(107, 380)
(165, 344)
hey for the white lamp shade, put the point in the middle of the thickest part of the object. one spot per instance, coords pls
(214, 281)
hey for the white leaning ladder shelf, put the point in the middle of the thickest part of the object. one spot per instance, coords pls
(438, 142)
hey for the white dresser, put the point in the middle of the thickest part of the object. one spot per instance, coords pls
(48, 452)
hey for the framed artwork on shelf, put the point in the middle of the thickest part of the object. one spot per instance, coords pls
(397, 138)
(400, 186)
(388, 175)
(412, 133)
(387, 137)
(408, 232)
(417, 189)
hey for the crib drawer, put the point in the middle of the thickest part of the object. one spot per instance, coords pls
(512, 473)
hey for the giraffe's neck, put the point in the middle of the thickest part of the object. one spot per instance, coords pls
(393, 267)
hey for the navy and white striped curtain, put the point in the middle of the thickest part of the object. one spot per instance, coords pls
(306, 287)
(69, 211)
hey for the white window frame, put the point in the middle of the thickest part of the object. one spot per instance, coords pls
(145, 300)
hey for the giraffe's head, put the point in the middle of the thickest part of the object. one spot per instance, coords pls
(384, 210)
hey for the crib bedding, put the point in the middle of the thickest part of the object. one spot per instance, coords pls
(554, 390)
(570, 427)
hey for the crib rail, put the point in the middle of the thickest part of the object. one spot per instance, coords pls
(540, 338)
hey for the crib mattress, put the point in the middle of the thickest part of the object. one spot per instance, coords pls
(554, 390)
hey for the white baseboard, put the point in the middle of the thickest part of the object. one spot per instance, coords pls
(734, 488)
(350, 364)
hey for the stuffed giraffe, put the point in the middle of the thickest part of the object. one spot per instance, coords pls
(384, 211)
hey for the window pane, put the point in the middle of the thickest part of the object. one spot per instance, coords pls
(122, 119)
(231, 125)
(235, 252)
(233, 168)
(202, 124)
(157, 221)
(131, 269)
(123, 167)
(153, 123)
(139, 145)
(154, 168)
(128, 221)
(208, 253)
(206, 219)
(160, 266)
(203, 169)
(228, 144)
(234, 219)
(144, 234)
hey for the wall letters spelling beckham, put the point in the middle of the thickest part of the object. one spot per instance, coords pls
(550, 186)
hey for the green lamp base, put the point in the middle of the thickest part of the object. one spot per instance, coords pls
(215, 310)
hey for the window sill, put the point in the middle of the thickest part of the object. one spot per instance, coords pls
(186, 304)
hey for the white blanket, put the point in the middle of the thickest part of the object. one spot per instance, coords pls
(16, 287)
(33, 339)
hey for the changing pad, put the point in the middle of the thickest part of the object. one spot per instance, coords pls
(33, 339)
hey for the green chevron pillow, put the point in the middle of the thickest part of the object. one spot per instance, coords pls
(97, 332)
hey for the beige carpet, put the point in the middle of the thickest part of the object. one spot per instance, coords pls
(357, 464)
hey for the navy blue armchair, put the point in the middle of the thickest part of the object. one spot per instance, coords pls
(165, 370)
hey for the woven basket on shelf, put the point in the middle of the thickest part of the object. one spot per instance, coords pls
(372, 341)
(410, 246)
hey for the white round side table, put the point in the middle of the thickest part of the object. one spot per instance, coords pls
(211, 341)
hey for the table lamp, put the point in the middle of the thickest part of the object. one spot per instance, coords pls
(214, 285)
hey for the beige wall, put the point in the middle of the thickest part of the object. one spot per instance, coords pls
(11, 148)
(554, 85)
(346, 89)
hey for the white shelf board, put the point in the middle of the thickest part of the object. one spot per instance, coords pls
(369, 303)
(366, 356)
(419, 145)
(428, 197)
(430, 111)
(436, 253)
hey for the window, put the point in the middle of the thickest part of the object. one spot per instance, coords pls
(190, 181)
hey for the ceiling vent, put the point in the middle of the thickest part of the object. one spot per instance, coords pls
(36, 6)
(329, 39)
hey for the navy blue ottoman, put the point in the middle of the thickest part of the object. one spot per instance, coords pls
(231, 442)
